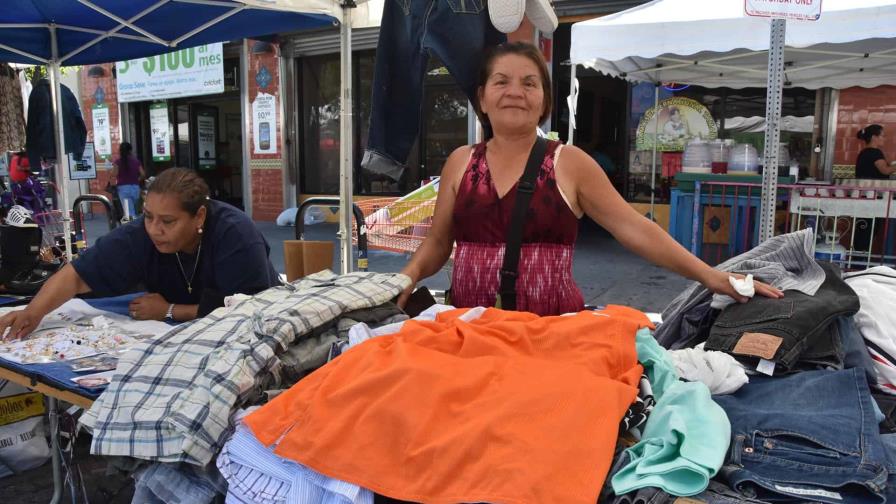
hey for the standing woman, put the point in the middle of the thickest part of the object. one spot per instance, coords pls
(871, 162)
(478, 191)
(128, 172)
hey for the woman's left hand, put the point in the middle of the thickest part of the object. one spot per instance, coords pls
(149, 307)
(717, 281)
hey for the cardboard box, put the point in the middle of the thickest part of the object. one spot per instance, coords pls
(303, 258)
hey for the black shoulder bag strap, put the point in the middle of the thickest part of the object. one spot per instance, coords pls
(506, 299)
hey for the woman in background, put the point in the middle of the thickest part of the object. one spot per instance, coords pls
(871, 162)
(127, 173)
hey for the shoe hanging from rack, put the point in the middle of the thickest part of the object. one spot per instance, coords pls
(507, 15)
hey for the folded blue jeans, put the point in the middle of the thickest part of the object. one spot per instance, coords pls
(457, 32)
(809, 436)
(855, 353)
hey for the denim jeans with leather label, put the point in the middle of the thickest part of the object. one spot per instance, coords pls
(798, 322)
(457, 32)
(809, 436)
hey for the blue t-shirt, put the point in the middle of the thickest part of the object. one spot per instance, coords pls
(233, 259)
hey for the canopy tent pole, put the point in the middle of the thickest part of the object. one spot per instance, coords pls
(61, 165)
(772, 130)
(346, 144)
(656, 140)
(571, 103)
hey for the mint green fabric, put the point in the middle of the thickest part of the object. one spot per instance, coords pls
(658, 367)
(686, 436)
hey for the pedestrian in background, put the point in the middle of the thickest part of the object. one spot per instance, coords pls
(127, 173)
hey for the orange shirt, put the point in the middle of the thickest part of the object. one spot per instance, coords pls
(508, 408)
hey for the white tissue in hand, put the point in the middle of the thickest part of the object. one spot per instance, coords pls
(744, 286)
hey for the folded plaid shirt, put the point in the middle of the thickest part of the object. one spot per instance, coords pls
(171, 398)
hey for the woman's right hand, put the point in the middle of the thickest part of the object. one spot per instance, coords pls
(20, 323)
(405, 294)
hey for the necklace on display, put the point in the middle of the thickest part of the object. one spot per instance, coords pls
(195, 265)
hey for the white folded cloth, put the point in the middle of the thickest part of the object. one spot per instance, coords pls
(722, 373)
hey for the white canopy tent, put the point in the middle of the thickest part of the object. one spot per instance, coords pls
(712, 43)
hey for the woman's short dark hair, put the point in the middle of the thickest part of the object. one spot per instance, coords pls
(674, 110)
(869, 131)
(184, 183)
(521, 49)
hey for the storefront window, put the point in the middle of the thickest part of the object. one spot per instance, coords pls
(320, 124)
(739, 115)
(445, 123)
(183, 136)
(443, 126)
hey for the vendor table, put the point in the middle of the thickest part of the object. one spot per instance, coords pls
(54, 381)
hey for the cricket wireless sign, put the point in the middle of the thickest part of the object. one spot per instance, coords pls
(187, 72)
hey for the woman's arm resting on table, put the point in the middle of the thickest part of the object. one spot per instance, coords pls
(61, 287)
(600, 200)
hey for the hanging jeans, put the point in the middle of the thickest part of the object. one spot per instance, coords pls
(812, 436)
(457, 32)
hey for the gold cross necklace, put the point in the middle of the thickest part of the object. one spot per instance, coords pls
(195, 265)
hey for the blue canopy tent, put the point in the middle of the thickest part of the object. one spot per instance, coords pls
(79, 32)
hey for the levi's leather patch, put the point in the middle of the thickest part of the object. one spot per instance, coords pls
(758, 345)
(688, 500)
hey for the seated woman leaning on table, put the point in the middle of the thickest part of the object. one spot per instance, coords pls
(478, 190)
(187, 251)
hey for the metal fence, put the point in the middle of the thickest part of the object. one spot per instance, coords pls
(852, 221)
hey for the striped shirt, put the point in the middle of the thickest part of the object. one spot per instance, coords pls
(256, 476)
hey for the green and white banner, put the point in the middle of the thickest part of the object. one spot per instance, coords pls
(187, 72)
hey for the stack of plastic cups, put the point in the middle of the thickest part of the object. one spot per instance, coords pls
(697, 157)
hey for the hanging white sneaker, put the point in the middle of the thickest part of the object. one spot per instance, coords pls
(506, 15)
(20, 216)
(541, 14)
